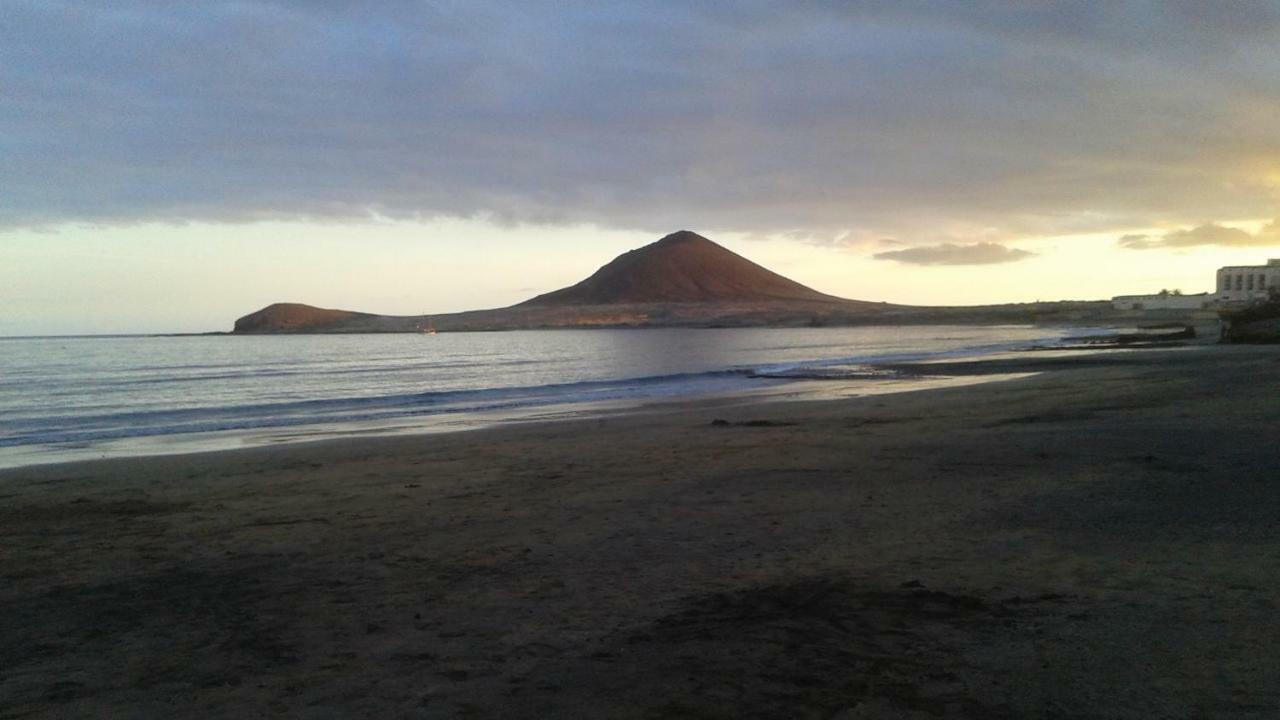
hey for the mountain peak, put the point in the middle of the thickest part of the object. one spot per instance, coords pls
(683, 267)
(682, 236)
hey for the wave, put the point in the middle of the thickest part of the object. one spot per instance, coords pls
(266, 372)
(855, 372)
(814, 367)
(226, 404)
(109, 426)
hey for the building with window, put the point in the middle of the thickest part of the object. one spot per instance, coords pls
(1244, 283)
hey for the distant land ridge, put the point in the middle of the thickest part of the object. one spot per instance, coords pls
(286, 317)
(682, 280)
(683, 267)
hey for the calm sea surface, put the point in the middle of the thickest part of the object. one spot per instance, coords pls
(85, 397)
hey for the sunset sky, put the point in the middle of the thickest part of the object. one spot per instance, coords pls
(171, 166)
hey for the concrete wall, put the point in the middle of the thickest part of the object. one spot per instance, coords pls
(1161, 302)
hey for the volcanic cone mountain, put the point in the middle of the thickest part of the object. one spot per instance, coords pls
(683, 267)
(682, 280)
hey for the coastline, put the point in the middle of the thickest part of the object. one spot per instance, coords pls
(905, 378)
(1097, 539)
(47, 428)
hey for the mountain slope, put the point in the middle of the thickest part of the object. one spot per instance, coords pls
(295, 317)
(683, 267)
(682, 280)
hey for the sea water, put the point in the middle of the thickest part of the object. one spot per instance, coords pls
(66, 398)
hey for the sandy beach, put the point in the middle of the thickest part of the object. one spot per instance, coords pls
(1097, 541)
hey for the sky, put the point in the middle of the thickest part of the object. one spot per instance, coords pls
(172, 166)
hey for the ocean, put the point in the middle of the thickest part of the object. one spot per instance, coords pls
(71, 398)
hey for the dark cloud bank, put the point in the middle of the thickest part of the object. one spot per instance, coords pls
(916, 121)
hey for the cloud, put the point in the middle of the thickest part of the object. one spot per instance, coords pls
(858, 120)
(1206, 234)
(984, 253)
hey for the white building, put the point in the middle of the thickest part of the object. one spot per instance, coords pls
(1162, 301)
(1242, 283)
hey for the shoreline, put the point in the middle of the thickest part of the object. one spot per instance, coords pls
(799, 389)
(1096, 540)
(911, 376)
(752, 386)
(885, 377)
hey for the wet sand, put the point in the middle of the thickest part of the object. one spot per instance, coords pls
(1098, 541)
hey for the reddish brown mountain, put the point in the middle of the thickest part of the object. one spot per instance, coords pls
(682, 280)
(286, 317)
(683, 267)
